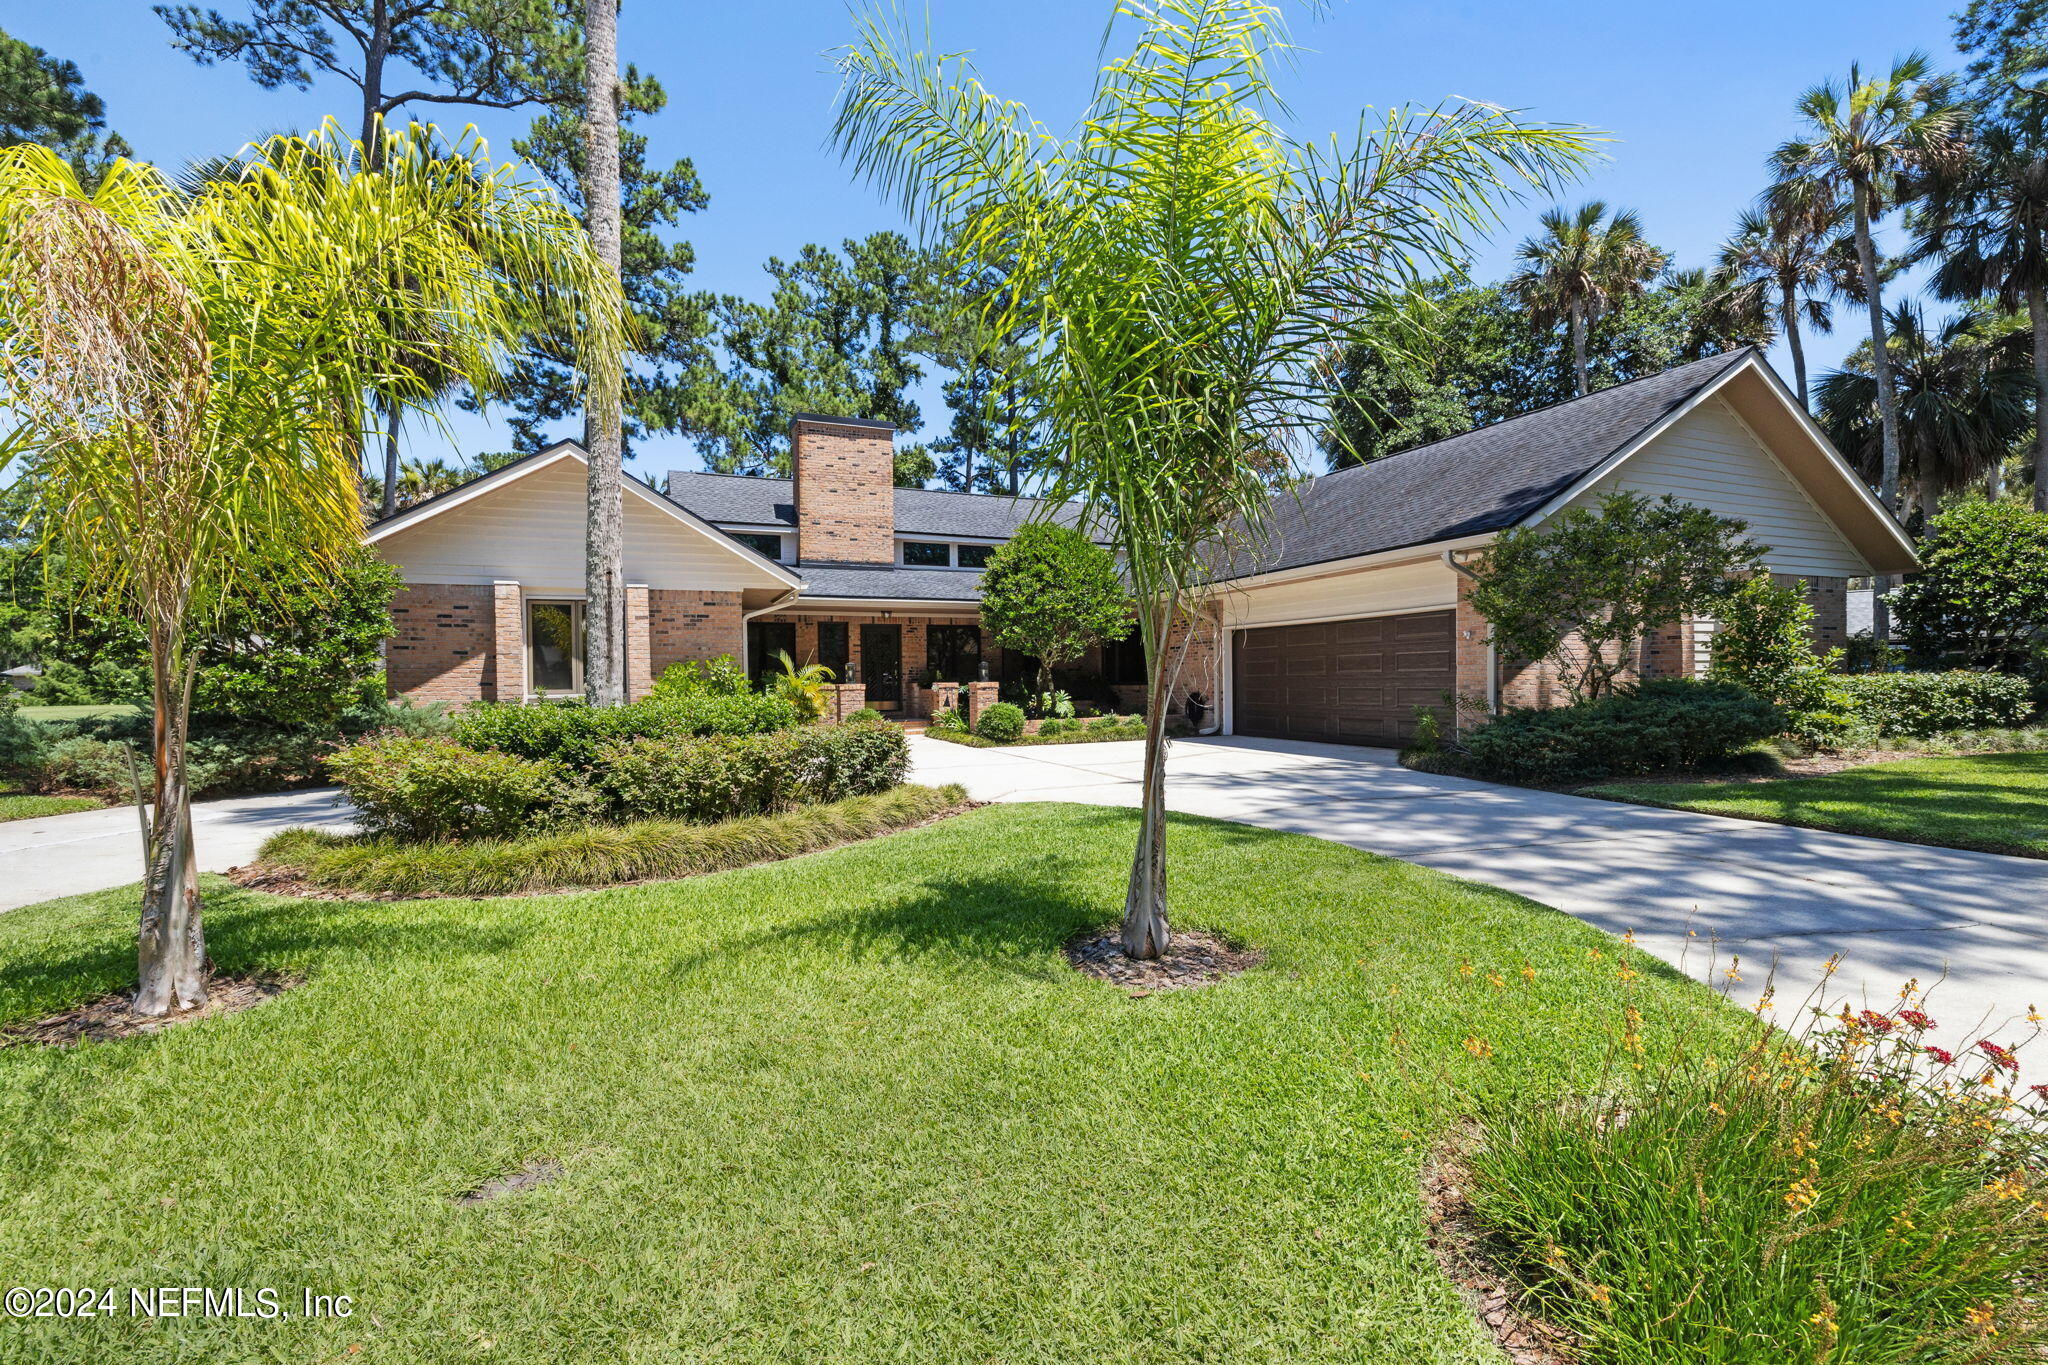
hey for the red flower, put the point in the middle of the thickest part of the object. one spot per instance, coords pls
(2002, 1057)
(1916, 1019)
(1875, 1022)
(1940, 1054)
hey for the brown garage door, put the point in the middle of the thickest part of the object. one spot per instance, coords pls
(1343, 682)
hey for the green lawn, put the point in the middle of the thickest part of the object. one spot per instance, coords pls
(1997, 802)
(27, 806)
(93, 712)
(849, 1107)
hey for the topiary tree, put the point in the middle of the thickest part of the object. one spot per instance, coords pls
(1584, 588)
(1764, 642)
(1054, 593)
(1982, 599)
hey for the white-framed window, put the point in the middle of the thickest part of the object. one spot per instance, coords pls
(928, 554)
(764, 543)
(554, 647)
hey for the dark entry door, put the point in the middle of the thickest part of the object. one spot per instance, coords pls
(765, 640)
(881, 664)
(1343, 682)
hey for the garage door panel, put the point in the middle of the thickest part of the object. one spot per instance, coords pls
(1356, 681)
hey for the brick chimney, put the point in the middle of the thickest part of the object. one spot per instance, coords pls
(845, 472)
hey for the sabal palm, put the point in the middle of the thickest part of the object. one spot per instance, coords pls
(1963, 394)
(1865, 141)
(190, 367)
(1985, 223)
(1787, 257)
(1582, 265)
(1183, 268)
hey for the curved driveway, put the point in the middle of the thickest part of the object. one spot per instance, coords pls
(1766, 892)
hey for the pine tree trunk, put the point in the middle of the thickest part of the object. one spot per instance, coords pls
(2037, 314)
(1790, 309)
(1887, 400)
(1145, 933)
(390, 504)
(171, 949)
(604, 612)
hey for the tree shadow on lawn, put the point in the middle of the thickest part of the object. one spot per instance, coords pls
(1979, 811)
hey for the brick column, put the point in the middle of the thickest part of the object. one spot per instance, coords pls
(639, 643)
(980, 696)
(1468, 638)
(507, 680)
(845, 699)
(945, 697)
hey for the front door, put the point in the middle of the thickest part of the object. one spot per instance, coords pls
(881, 663)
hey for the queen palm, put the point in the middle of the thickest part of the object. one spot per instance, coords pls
(1865, 140)
(1985, 224)
(1183, 268)
(1579, 268)
(189, 369)
(1787, 256)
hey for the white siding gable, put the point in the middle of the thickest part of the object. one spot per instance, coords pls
(1709, 458)
(531, 531)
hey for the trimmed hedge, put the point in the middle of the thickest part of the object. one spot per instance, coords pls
(598, 855)
(1652, 727)
(429, 789)
(571, 732)
(1928, 703)
(1001, 723)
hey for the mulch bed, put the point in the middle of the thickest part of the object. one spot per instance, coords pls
(1460, 1247)
(1192, 958)
(109, 1017)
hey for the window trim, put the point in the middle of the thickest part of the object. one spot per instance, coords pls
(576, 656)
(747, 538)
(945, 545)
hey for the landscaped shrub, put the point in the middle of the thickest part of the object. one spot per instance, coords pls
(1055, 726)
(719, 677)
(868, 715)
(1764, 642)
(1102, 723)
(21, 742)
(222, 758)
(426, 789)
(1846, 1193)
(946, 718)
(1927, 703)
(724, 776)
(1001, 723)
(572, 732)
(1652, 727)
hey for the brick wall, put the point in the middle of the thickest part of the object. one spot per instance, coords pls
(684, 624)
(845, 491)
(441, 643)
(1829, 598)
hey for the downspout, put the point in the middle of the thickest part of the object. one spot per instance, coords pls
(1450, 558)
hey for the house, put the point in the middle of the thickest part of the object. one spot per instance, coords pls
(1351, 615)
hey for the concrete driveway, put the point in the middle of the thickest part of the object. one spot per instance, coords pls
(1764, 892)
(68, 855)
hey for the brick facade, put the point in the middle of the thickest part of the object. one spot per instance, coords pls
(441, 646)
(845, 488)
(682, 624)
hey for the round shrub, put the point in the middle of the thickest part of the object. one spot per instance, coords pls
(1653, 727)
(868, 715)
(1928, 703)
(427, 789)
(1001, 723)
(1055, 726)
(1109, 723)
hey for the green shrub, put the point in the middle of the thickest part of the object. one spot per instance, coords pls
(948, 718)
(598, 855)
(719, 677)
(428, 789)
(401, 715)
(1054, 726)
(571, 733)
(1982, 595)
(868, 715)
(1114, 722)
(1848, 1193)
(1652, 727)
(220, 759)
(1764, 642)
(22, 742)
(1927, 703)
(723, 776)
(1001, 723)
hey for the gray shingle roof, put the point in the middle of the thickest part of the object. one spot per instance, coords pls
(1484, 480)
(736, 499)
(890, 580)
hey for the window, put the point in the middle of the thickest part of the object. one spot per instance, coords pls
(954, 653)
(763, 543)
(1124, 661)
(927, 554)
(765, 640)
(554, 647)
(975, 556)
(832, 650)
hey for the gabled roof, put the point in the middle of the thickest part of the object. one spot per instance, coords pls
(1485, 480)
(742, 500)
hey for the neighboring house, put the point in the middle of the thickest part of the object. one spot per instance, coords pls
(1352, 615)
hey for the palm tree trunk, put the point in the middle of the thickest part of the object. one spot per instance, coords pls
(390, 504)
(171, 953)
(2037, 314)
(1790, 309)
(1145, 933)
(604, 664)
(1579, 348)
(1887, 400)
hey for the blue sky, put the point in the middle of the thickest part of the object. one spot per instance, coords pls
(1695, 98)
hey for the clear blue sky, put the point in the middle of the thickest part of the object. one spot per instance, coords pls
(1695, 97)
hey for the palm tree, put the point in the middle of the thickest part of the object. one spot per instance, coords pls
(1863, 143)
(1579, 268)
(190, 369)
(1964, 397)
(1185, 269)
(604, 413)
(1985, 222)
(1788, 255)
